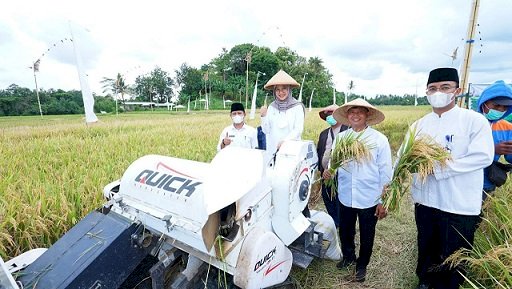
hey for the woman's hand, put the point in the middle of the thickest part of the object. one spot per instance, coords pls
(263, 111)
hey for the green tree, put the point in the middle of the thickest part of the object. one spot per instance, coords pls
(17, 100)
(238, 56)
(320, 80)
(189, 81)
(116, 86)
(104, 103)
(289, 60)
(155, 87)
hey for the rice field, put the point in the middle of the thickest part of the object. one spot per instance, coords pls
(52, 172)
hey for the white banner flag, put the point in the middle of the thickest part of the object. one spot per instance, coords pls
(87, 97)
(311, 98)
(253, 102)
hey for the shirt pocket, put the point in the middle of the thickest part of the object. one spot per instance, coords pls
(458, 145)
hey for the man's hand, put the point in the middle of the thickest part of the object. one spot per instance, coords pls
(503, 148)
(380, 212)
(326, 175)
(226, 141)
(263, 111)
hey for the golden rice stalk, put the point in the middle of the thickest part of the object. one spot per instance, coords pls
(489, 261)
(419, 154)
(349, 147)
(316, 192)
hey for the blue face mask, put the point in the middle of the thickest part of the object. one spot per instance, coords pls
(330, 120)
(494, 114)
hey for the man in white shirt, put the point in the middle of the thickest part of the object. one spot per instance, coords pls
(238, 134)
(360, 185)
(448, 202)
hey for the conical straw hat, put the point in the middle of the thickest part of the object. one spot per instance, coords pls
(281, 78)
(325, 110)
(375, 116)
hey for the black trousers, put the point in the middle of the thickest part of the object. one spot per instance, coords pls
(367, 223)
(439, 235)
(331, 205)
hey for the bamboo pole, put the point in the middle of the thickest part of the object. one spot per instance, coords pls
(468, 51)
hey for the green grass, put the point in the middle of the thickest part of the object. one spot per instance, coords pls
(53, 171)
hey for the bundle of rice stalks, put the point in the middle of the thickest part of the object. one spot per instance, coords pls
(418, 154)
(489, 262)
(350, 147)
(316, 192)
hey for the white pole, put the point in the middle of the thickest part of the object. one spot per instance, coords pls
(311, 98)
(116, 96)
(301, 86)
(210, 86)
(37, 91)
(416, 95)
(254, 95)
(205, 96)
(247, 60)
(333, 95)
(116, 92)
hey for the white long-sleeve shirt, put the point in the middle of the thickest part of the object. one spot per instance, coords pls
(456, 188)
(360, 184)
(245, 137)
(284, 125)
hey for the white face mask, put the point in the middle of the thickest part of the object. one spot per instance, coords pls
(237, 119)
(440, 99)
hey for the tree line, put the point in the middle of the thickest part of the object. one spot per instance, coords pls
(231, 76)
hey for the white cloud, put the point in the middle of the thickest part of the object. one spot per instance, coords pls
(385, 47)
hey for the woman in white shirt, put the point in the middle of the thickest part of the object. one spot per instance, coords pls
(284, 118)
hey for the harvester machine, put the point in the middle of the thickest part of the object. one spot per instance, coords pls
(240, 221)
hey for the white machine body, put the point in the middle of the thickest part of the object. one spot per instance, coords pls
(239, 213)
(183, 200)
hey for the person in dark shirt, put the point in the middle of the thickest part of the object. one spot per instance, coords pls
(323, 149)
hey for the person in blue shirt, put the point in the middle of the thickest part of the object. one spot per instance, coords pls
(262, 138)
(495, 103)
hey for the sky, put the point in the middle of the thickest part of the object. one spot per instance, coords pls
(384, 47)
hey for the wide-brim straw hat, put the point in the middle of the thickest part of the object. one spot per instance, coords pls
(375, 116)
(281, 78)
(325, 111)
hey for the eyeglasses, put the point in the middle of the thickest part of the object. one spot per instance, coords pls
(444, 88)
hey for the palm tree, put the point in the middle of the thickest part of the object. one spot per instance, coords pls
(116, 86)
(316, 63)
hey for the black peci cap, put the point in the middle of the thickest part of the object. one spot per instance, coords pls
(236, 106)
(443, 74)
